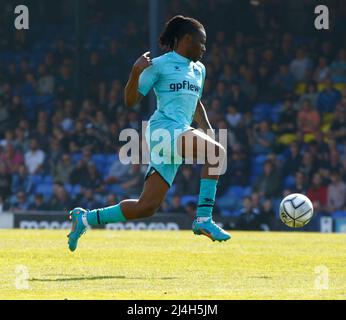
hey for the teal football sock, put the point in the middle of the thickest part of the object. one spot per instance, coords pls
(105, 215)
(206, 197)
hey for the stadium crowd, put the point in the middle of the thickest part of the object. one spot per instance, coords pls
(281, 96)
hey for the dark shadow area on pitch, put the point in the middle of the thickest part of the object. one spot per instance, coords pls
(77, 278)
(98, 278)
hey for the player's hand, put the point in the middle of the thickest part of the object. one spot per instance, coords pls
(143, 62)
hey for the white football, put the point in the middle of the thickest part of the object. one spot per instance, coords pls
(296, 210)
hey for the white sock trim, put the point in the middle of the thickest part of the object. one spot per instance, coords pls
(85, 221)
(203, 219)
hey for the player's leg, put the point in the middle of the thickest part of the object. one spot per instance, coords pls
(196, 145)
(154, 191)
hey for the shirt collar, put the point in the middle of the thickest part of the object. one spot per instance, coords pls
(181, 58)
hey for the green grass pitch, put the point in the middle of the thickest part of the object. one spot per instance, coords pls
(172, 265)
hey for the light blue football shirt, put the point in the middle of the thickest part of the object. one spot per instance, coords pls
(178, 84)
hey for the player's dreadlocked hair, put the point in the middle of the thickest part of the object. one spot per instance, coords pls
(176, 28)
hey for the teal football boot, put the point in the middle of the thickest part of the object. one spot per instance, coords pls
(210, 229)
(79, 222)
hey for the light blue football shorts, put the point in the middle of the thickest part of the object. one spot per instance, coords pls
(161, 137)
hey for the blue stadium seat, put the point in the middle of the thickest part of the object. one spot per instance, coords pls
(76, 157)
(247, 191)
(189, 198)
(47, 179)
(226, 213)
(44, 188)
(171, 190)
(289, 182)
(235, 191)
(68, 187)
(115, 189)
(36, 179)
(77, 189)
(339, 214)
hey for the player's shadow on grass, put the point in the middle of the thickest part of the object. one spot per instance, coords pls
(96, 278)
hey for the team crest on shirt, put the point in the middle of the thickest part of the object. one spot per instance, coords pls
(196, 71)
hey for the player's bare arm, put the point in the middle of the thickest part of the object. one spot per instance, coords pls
(132, 96)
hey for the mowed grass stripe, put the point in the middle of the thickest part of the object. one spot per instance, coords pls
(173, 265)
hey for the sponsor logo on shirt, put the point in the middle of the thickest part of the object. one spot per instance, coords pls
(184, 85)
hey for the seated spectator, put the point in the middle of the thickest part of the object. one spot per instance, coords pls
(78, 135)
(5, 181)
(175, 205)
(93, 179)
(317, 191)
(11, 158)
(118, 172)
(132, 186)
(38, 204)
(111, 200)
(338, 68)
(238, 169)
(79, 174)
(229, 133)
(28, 87)
(3, 204)
(237, 96)
(263, 138)
(54, 155)
(185, 182)
(283, 81)
(308, 118)
(88, 200)
(63, 169)
(45, 82)
(215, 111)
(64, 83)
(328, 98)
(249, 85)
(256, 200)
(300, 183)
(336, 193)
(249, 218)
(21, 203)
(301, 65)
(322, 71)
(5, 119)
(60, 200)
(67, 123)
(287, 122)
(267, 216)
(228, 74)
(21, 141)
(191, 209)
(8, 138)
(292, 160)
(268, 184)
(338, 127)
(41, 134)
(91, 138)
(265, 90)
(311, 94)
(100, 124)
(34, 158)
(233, 117)
(21, 180)
(308, 165)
